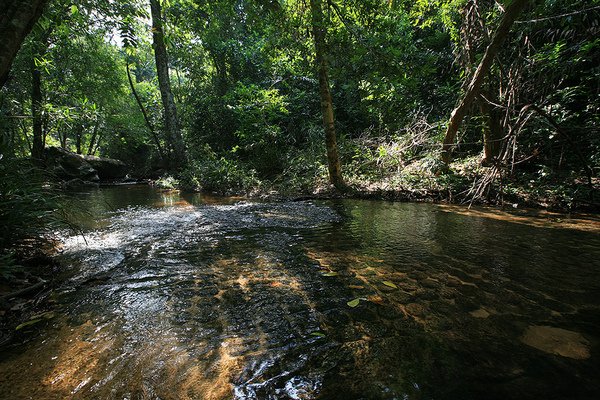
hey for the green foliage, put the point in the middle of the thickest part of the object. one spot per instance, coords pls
(258, 114)
(246, 89)
(167, 182)
(209, 171)
(8, 266)
(27, 205)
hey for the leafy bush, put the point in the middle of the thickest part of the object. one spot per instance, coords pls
(29, 210)
(28, 206)
(208, 171)
(167, 182)
(258, 114)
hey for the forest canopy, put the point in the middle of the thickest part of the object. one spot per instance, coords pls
(472, 98)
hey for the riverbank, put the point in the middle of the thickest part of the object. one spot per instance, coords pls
(564, 196)
(465, 181)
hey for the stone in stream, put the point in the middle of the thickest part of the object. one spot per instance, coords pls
(557, 341)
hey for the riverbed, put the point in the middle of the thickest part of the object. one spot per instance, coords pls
(171, 296)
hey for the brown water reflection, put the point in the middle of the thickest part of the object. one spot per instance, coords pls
(181, 298)
(530, 217)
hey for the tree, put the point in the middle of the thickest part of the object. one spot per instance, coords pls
(172, 125)
(17, 20)
(319, 29)
(512, 12)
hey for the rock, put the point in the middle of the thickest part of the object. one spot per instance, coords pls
(67, 166)
(107, 168)
(557, 341)
(78, 183)
(74, 168)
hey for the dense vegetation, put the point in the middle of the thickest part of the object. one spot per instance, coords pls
(234, 95)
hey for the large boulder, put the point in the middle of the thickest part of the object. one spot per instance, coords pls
(107, 168)
(67, 166)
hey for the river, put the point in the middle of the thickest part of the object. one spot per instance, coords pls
(169, 296)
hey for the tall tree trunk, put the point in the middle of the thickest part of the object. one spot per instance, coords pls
(90, 151)
(510, 15)
(492, 131)
(37, 100)
(145, 114)
(16, 20)
(333, 160)
(221, 68)
(63, 139)
(162, 70)
(78, 138)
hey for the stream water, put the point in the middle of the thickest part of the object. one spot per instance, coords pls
(168, 296)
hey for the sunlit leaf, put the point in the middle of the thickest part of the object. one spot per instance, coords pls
(353, 303)
(390, 284)
(318, 334)
(331, 273)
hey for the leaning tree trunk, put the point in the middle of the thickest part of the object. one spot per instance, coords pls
(333, 160)
(512, 12)
(162, 70)
(145, 114)
(17, 18)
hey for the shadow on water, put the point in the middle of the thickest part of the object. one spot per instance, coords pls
(193, 297)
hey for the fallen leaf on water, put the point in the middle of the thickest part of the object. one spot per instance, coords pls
(353, 303)
(330, 273)
(390, 284)
(318, 334)
(376, 299)
(28, 323)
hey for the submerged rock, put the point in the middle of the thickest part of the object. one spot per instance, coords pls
(557, 341)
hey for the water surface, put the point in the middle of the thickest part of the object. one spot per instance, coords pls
(170, 296)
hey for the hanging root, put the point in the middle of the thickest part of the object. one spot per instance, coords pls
(482, 186)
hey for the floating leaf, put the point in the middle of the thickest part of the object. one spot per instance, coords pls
(28, 323)
(318, 334)
(390, 284)
(375, 299)
(353, 303)
(331, 273)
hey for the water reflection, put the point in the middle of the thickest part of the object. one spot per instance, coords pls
(188, 297)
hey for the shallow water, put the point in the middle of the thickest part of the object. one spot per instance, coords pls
(169, 296)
